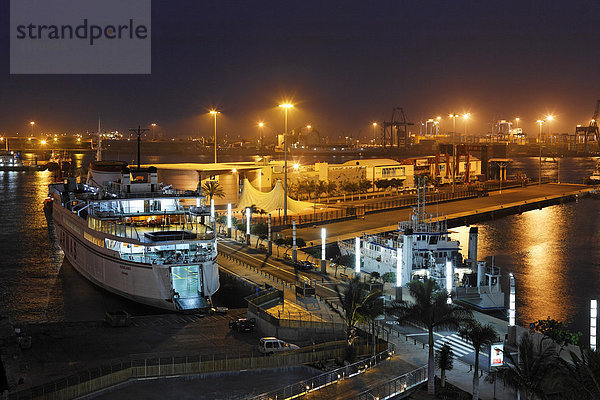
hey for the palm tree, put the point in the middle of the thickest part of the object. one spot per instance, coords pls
(331, 188)
(213, 189)
(431, 311)
(444, 360)
(480, 337)
(355, 300)
(581, 377)
(532, 371)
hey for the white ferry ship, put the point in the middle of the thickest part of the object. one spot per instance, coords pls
(132, 236)
(427, 251)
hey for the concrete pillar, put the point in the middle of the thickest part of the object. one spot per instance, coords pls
(473, 237)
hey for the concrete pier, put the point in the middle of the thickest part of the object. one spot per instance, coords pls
(457, 213)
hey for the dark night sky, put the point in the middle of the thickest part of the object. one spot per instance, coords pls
(345, 64)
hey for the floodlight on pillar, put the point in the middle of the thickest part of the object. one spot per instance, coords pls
(399, 268)
(593, 323)
(511, 301)
(357, 254)
(229, 215)
(449, 279)
(247, 220)
(323, 238)
(212, 208)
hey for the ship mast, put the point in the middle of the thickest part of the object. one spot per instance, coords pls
(99, 149)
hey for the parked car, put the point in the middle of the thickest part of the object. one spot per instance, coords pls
(219, 310)
(271, 345)
(243, 324)
(304, 265)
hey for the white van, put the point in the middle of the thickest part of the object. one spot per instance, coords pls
(270, 345)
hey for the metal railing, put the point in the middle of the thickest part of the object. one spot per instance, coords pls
(323, 380)
(160, 365)
(396, 386)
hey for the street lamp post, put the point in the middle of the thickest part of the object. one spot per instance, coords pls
(453, 116)
(286, 107)
(466, 117)
(374, 134)
(214, 113)
(540, 123)
(261, 125)
(153, 126)
(517, 122)
(32, 123)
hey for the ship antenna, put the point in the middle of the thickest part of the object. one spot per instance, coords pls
(99, 149)
(139, 131)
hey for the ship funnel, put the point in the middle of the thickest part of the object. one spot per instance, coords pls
(473, 235)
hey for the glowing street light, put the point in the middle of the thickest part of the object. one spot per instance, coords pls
(453, 116)
(32, 124)
(374, 134)
(214, 114)
(541, 123)
(43, 141)
(466, 117)
(261, 126)
(517, 122)
(286, 107)
(550, 118)
(153, 126)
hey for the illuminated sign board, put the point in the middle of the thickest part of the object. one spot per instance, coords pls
(496, 355)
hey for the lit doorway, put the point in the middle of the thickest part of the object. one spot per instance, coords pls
(185, 281)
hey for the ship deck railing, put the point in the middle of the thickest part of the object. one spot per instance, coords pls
(134, 232)
(172, 260)
(115, 190)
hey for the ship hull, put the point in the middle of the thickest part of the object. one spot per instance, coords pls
(143, 283)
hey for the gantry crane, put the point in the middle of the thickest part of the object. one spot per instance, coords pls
(589, 132)
(396, 128)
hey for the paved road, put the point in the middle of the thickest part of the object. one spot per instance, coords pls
(388, 220)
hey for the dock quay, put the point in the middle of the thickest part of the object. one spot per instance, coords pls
(456, 212)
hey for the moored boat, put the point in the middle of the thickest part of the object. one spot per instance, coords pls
(129, 234)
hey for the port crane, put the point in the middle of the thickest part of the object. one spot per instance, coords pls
(589, 132)
(396, 128)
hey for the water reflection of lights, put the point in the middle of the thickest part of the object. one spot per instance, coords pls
(543, 277)
(531, 246)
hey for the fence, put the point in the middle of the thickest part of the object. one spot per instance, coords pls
(320, 381)
(95, 379)
(291, 319)
(398, 385)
